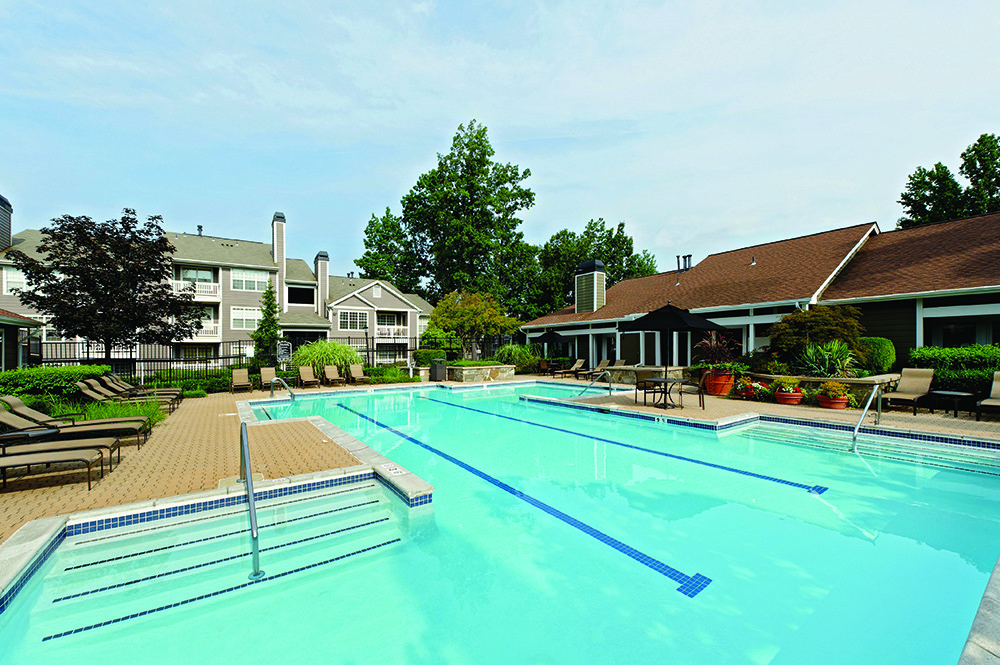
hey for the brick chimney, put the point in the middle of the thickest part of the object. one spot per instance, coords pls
(278, 254)
(321, 266)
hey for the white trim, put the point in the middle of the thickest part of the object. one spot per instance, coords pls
(843, 263)
(960, 310)
(920, 322)
(995, 290)
(386, 286)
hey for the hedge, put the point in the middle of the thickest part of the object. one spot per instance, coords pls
(965, 369)
(880, 354)
(425, 357)
(57, 381)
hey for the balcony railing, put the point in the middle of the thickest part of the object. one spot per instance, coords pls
(208, 330)
(202, 290)
(394, 332)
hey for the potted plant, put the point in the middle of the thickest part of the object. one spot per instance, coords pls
(787, 390)
(832, 395)
(716, 352)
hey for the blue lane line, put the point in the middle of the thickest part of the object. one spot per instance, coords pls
(690, 585)
(814, 489)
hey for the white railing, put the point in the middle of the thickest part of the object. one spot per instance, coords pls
(208, 330)
(202, 290)
(392, 331)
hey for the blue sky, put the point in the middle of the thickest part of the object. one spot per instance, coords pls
(703, 126)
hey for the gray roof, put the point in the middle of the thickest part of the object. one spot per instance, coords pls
(300, 319)
(221, 251)
(418, 302)
(298, 270)
(342, 286)
(26, 241)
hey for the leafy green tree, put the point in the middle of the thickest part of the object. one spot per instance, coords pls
(108, 282)
(935, 195)
(566, 250)
(388, 254)
(795, 332)
(472, 316)
(268, 333)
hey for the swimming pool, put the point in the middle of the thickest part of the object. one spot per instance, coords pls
(557, 536)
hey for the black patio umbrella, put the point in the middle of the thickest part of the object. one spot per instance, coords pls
(669, 318)
(550, 337)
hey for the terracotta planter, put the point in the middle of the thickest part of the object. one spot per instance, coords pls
(718, 383)
(832, 402)
(788, 398)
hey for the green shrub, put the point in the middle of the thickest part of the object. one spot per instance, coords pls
(194, 393)
(321, 353)
(880, 354)
(424, 357)
(524, 357)
(796, 331)
(48, 380)
(965, 369)
(471, 363)
(391, 374)
(833, 358)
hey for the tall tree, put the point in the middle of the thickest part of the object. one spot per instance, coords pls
(565, 250)
(935, 195)
(458, 224)
(472, 316)
(108, 282)
(268, 333)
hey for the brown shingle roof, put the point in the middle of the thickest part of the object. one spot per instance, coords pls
(783, 271)
(959, 254)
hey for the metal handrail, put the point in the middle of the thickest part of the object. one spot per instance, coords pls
(598, 379)
(247, 480)
(282, 381)
(878, 415)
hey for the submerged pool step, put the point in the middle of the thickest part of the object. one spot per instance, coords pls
(966, 458)
(322, 534)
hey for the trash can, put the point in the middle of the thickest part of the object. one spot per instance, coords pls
(439, 371)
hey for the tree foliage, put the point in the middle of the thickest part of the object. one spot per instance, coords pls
(108, 282)
(472, 316)
(935, 195)
(795, 332)
(268, 333)
(388, 254)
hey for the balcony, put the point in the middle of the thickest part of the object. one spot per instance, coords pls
(210, 332)
(392, 332)
(203, 291)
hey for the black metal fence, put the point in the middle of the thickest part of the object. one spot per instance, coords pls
(184, 361)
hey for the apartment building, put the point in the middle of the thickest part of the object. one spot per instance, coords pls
(230, 276)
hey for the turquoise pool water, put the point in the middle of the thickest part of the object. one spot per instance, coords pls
(556, 536)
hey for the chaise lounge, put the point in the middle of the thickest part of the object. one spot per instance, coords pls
(914, 385)
(991, 402)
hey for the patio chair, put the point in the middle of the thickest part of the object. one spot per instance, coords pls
(15, 443)
(307, 377)
(545, 368)
(694, 386)
(331, 376)
(23, 428)
(88, 457)
(596, 372)
(88, 391)
(67, 419)
(241, 380)
(574, 370)
(914, 384)
(644, 386)
(993, 401)
(356, 374)
(118, 384)
(169, 400)
(619, 364)
(267, 375)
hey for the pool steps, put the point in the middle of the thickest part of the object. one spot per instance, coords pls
(105, 578)
(964, 458)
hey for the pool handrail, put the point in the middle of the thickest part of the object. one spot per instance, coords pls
(598, 379)
(282, 382)
(247, 480)
(878, 415)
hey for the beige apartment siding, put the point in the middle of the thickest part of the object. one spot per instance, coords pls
(237, 298)
(387, 301)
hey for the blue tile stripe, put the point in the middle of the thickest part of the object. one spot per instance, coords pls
(215, 562)
(188, 601)
(814, 489)
(690, 585)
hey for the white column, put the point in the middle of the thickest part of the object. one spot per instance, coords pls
(920, 322)
(592, 350)
(751, 338)
(642, 348)
(658, 356)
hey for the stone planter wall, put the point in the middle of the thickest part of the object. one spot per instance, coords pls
(860, 388)
(479, 374)
(626, 375)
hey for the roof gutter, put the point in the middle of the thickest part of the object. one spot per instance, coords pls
(915, 294)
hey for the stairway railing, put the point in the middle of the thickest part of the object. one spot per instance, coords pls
(247, 480)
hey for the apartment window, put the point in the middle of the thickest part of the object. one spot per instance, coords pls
(197, 275)
(387, 319)
(48, 331)
(353, 320)
(249, 280)
(245, 318)
(12, 279)
(300, 295)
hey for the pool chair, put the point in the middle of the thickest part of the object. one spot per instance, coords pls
(331, 376)
(88, 457)
(993, 401)
(914, 384)
(88, 391)
(545, 367)
(241, 380)
(619, 364)
(693, 386)
(356, 374)
(110, 387)
(23, 428)
(122, 387)
(17, 443)
(170, 401)
(68, 419)
(267, 375)
(574, 370)
(306, 377)
(596, 372)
